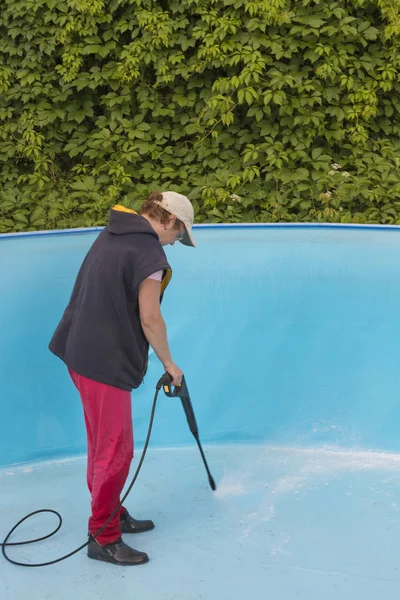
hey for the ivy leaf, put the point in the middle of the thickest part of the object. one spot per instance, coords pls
(87, 184)
(313, 21)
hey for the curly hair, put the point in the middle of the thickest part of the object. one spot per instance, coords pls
(155, 211)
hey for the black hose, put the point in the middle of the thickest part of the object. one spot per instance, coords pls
(6, 543)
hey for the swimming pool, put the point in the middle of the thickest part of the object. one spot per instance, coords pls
(289, 338)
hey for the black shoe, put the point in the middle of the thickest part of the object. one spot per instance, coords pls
(131, 525)
(117, 553)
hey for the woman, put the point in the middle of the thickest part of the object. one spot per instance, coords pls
(103, 338)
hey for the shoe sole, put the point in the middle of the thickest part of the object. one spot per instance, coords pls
(112, 561)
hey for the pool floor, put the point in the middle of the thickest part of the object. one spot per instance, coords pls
(284, 524)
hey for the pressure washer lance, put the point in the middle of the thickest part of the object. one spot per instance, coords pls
(183, 393)
(165, 383)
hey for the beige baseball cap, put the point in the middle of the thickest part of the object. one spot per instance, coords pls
(180, 206)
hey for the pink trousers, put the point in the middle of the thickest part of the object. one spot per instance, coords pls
(108, 419)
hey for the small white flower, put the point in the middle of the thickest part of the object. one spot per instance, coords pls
(332, 173)
(235, 197)
(336, 166)
(345, 174)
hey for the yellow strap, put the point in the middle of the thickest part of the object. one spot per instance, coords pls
(124, 209)
(166, 280)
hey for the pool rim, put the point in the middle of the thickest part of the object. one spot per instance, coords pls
(89, 230)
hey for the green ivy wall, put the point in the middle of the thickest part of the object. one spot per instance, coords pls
(259, 111)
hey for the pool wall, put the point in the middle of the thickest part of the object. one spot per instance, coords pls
(288, 336)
